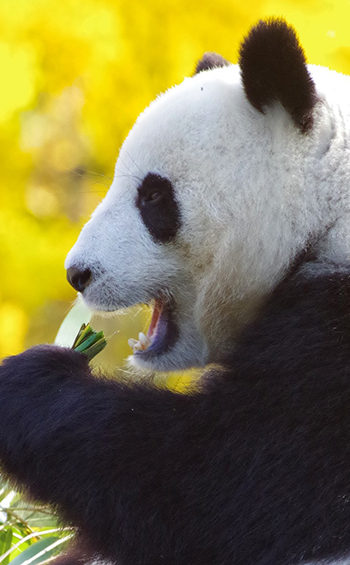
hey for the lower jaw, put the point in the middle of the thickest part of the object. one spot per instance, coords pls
(181, 357)
(176, 351)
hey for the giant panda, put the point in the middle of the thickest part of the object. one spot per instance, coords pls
(229, 215)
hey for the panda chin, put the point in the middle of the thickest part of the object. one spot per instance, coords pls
(161, 336)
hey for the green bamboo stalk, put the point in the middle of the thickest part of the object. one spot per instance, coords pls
(89, 342)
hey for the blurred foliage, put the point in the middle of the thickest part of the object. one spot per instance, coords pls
(75, 75)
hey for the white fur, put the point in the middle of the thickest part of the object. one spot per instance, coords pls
(252, 190)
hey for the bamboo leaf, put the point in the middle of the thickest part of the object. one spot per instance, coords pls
(84, 332)
(44, 547)
(5, 493)
(86, 342)
(5, 544)
(95, 349)
(72, 322)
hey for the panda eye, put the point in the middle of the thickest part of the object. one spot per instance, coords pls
(151, 198)
(158, 207)
(153, 190)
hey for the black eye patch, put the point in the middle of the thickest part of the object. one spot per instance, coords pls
(158, 208)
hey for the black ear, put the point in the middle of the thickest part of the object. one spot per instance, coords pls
(273, 67)
(210, 61)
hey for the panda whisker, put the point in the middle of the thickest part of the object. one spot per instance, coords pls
(121, 175)
(132, 174)
(134, 162)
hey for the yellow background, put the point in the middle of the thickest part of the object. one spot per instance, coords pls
(74, 76)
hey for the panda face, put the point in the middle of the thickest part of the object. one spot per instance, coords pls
(152, 238)
(161, 235)
(200, 219)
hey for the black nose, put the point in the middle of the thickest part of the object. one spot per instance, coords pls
(79, 279)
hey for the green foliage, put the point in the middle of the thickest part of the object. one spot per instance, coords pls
(89, 342)
(29, 534)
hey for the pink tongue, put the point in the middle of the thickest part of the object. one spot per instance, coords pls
(158, 307)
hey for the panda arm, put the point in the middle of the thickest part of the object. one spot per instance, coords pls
(98, 450)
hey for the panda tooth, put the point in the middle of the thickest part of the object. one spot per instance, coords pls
(144, 340)
(135, 345)
(141, 344)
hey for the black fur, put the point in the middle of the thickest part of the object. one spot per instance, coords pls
(158, 208)
(274, 68)
(252, 468)
(78, 556)
(210, 61)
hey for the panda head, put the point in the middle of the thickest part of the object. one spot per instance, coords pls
(206, 209)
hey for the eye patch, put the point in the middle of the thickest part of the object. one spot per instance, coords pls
(158, 208)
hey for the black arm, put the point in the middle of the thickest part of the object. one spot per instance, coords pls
(97, 449)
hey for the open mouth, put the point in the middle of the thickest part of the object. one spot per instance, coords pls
(161, 334)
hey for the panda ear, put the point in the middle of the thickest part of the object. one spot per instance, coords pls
(210, 61)
(273, 67)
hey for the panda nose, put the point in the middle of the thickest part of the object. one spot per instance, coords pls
(79, 279)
